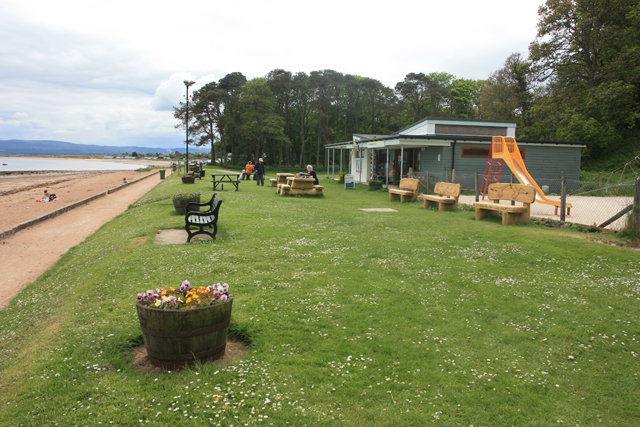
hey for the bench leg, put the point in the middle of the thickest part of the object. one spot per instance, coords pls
(426, 203)
(483, 213)
(392, 196)
(445, 206)
(510, 218)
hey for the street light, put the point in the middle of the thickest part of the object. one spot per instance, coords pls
(187, 83)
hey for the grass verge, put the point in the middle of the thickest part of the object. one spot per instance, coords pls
(415, 317)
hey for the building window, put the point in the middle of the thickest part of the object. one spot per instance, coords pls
(481, 152)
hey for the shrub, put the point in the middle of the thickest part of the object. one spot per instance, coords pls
(375, 185)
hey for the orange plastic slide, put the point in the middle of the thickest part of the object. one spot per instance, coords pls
(506, 148)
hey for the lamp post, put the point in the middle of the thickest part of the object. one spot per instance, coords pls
(187, 83)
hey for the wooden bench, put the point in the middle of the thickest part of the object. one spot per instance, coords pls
(525, 194)
(203, 219)
(407, 190)
(446, 196)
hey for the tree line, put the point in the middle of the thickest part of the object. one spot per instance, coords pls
(579, 82)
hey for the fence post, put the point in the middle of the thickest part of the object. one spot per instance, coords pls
(447, 176)
(635, 213)
(453, 176)
(427, 179)
(513, 202)
(563, 196)
(477, 187)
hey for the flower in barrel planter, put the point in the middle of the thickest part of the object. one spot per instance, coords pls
(188, 178)
(185, 297)
(180, 202)
(185, 323)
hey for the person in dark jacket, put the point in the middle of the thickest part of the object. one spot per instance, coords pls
(260, 171)
(311, 172)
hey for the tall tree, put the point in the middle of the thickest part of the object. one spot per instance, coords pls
(208, 111)
(464, 98)
(261, 128)
(588, 54)
(438, 92)
(413, 94)
(232, 83)
(355, 97)
(280, 83)
(303, 96)
(508, 93)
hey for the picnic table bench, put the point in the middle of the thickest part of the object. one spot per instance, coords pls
(225, 178)
(199, 172)
(298, 185)
(407, 190)
(525, 194)
(209, 218)
(446, 196)
(281, 179)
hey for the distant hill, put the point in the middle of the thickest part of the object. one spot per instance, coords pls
(60, 148)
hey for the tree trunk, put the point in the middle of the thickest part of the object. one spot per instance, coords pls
(301, 140)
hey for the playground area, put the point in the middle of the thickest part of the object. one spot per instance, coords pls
(585, 210)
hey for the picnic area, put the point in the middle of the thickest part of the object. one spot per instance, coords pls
(352, 309)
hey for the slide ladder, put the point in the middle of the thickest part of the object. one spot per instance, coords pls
(506, 148)
(492, 171)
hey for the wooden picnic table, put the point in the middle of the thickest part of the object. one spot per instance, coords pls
(225, 178)
(300, 183)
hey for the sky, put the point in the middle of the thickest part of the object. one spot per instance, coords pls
(108, 72)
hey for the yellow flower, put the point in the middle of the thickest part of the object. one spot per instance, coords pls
(164, 292)
(188, 300)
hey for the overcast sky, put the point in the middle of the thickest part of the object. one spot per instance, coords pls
(108, 72)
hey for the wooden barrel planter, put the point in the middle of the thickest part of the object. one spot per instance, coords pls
(181, 204)
(174, 338)
(188, 179)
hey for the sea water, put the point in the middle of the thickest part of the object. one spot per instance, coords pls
(30, 164)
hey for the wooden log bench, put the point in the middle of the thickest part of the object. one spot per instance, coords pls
(209, 218)
(525, 194)
(407, 190)
(446, 196)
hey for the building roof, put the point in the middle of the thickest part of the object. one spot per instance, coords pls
(407, 137)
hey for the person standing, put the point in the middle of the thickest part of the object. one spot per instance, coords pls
(260, 171)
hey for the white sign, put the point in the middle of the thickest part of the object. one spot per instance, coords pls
(348, 182)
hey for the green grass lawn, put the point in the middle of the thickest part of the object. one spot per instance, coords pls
(407, 318)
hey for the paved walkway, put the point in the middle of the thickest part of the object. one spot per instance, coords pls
(30, 252)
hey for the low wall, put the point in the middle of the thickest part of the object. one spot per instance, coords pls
(8, 233)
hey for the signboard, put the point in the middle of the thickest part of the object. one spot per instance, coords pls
(348, 182)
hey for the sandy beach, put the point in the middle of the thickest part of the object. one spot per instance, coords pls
(30, 252)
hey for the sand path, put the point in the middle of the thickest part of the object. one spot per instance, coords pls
(30, 252)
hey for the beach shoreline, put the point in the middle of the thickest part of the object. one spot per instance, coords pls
(28, 253)
(143, 163)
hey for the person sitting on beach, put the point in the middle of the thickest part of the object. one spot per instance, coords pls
(125, 181)
(48, 197)
(311, 172)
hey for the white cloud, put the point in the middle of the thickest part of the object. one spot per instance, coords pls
(110, 72)
(171, 92)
